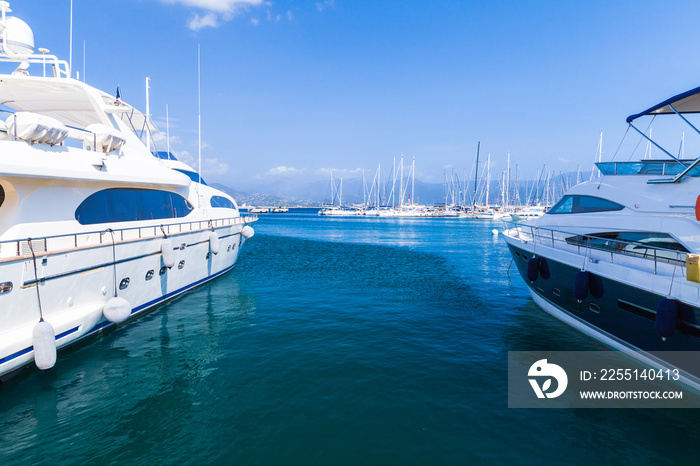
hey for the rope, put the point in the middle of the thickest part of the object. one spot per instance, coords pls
(673, 277)
(36, 278)
(114, 260)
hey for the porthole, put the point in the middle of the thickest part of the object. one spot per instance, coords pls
(208, 255)
(5, 287)
(524, 257)
(594, 308)
(124, 283)
(229, 248)
(181, 264)
(163, 270)
(556, 292)
(150, 274)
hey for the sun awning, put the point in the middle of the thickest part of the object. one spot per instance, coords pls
(687, 102)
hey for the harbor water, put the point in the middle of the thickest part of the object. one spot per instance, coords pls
(332, 341)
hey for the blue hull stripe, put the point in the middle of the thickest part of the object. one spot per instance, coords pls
(134, 311)
(27, 350)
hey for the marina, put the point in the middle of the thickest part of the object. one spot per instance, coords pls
(246, 369)
(402, 253)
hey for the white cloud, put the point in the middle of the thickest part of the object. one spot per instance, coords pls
(197, 22)
(255, 21)
(214, 166)
(216, 12)
(285, 171)
(185, 157)
(219, 6)
(338, 172)
(320, 6)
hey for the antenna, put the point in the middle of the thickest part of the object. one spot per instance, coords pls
(70, 46)
(167, 129)
(199, 116)
(148, 115)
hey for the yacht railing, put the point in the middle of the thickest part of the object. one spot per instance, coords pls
(12, 249)
(605, 248)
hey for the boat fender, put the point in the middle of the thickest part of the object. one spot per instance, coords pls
(166, 249)
(44, 342)
(697, 208)
(532, 266)
(666, 317)
(247, 232)
(581, 285)
(117, 310)
(494, 232)
(214, 242)
(595, 286)
(543, 267)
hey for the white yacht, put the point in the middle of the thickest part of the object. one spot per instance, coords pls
(617, 257)
(95, 228)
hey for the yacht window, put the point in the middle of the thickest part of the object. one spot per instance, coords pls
(165, 155)
(637, 243)
(194, 176)
(220, 201)
(574, 204)
(129, 205)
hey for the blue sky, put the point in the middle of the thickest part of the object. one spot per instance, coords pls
(292, 89)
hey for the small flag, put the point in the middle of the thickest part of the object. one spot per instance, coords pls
(119, 96)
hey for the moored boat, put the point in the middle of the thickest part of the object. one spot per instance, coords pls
(617, 257)
(96, 227)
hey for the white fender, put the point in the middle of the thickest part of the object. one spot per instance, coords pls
(214, 242)
(117, 310)
(247, 232)
(166, 248)
(44, 342)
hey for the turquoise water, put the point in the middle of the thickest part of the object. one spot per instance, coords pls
(333, 341)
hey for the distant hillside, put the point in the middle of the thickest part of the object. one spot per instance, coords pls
(319, 192)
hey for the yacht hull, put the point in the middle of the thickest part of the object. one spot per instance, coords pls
(624, 311)
(75, 284)
(622, 319)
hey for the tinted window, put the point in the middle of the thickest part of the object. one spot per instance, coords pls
(220, 201)
(129, 205)
(639, 243)
(194, 176)
(165, 155)
(582, 204)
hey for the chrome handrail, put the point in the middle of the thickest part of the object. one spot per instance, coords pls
(71, 241)
(586, 243)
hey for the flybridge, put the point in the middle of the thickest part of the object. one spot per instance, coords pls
(17, 45)
(684, 103)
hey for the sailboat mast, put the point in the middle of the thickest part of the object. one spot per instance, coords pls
(413, 180)
(401, 184)
(488, 178)
(476, 173)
